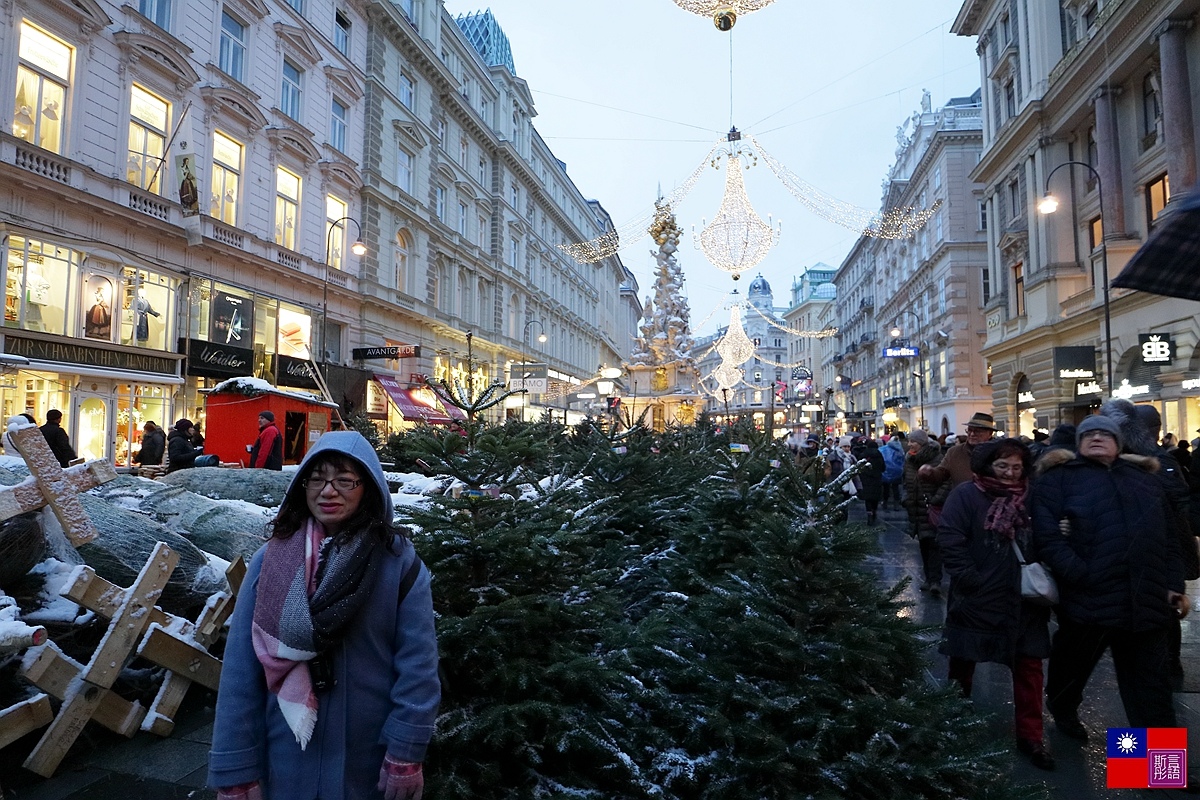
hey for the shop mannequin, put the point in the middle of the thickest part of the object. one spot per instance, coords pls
(143, 311)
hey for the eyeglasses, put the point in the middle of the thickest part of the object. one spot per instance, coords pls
(341, 485)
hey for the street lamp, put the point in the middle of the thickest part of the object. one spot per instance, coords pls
(359, 249)
(1048, 205)
(920, 376)
(897, 330)
(525, 357)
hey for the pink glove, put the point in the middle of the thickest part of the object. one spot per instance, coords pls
(400, 780)
(243, 791)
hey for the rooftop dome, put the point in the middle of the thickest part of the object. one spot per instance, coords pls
(759, 286)
(825, 291)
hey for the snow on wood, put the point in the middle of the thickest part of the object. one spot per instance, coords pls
(24, 717)
(50, 670)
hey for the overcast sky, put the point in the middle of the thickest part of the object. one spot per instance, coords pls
(631, 94)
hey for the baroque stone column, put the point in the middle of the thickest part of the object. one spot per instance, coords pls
(1108, 156)
(1177, 104)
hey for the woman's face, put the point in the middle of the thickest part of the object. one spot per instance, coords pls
(334, 495)
(1008, 469)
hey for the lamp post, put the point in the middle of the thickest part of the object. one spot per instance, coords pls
(525, 357)
(1048, 205)
(920, 376)
(359, 249)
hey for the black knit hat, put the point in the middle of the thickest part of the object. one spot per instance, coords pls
(269, 416)
(182, 425)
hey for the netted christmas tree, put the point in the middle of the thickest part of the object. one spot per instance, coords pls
(671, 616)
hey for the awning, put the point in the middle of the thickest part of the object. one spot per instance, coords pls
(413, 404)
(454, 411)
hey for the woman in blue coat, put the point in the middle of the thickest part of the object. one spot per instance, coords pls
(986, 619)
(329, 688)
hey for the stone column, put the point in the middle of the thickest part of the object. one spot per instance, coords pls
(1177, 104)
(1109, 166)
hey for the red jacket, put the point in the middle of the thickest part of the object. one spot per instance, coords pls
(267, 452)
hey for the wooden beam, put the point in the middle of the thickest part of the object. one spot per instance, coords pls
(52, 672)
(25, 717)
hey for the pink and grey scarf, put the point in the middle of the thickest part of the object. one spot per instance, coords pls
(302, 606)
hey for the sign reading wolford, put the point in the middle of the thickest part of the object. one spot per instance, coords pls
(399, 351)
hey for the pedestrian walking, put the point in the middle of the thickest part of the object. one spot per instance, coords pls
(267, 450)
(332, 692)
(893, 472)
(181, 453)
(924, 452)
(871, 477)
(56, 437)
(986, 619)
(154, 443)
(1099, 523)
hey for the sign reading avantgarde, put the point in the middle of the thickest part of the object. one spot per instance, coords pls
(397, 351)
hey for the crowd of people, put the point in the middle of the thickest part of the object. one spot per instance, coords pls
(1107, 506)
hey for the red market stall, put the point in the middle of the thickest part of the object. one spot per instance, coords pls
(231, 419)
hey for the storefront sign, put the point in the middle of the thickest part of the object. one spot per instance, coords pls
(1075, 362)
(69, 353)
(1085, 388)
(1025, 398)
(209, 360)
(1126, 391)
(294, 372)
(1190, 385)
(895, 402)
(399, 351)
(901, 351)
(376, 400)
(231, 319)
(1157, 348)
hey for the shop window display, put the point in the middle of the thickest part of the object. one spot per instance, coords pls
(97, 307)
(36, 285)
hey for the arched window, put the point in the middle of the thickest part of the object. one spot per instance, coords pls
(401, 261)
(514, 317)
(464, 310)
(484, 318)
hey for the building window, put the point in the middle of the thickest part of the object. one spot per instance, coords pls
(1088, 15)
(985, 274)
(1010, 100)
(232, 56)
(296, 5)
(337, 126)
(407, 91)
(1015, 201)
(404, 171)
(336, 211)
(289, 93)
(937, 226)
(402, 250)
(407, 7)
(1096, 232)
(1151, 109)
(439, 128)
(513, 244)
(514, 194)
(43, 74)
(226, 177)
(464, 152)
(462, 219)
(287, 205)
(481, 233)
(157, 11)
(1018, 271)
(38, 278)
(483, 171)
(341, 32)
(937, 177)
(147, 139)
(1158, 194)
(439, 203)
(983, 215)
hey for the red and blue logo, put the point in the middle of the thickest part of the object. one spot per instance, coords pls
(1147, 758)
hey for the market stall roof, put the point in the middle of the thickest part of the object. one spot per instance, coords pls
(413, 405)
(253, 387)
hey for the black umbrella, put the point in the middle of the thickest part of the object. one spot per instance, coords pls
(1169, 261)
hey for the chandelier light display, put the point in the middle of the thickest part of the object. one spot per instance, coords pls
(735, 346)
(724, 13)
(737, 239)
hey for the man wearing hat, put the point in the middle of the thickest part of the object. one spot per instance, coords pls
(956, 466)
(267, 452)
(181, 453)
(1099, 523)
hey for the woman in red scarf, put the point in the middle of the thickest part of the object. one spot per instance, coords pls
(986, 619)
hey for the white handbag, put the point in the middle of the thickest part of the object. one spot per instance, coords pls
(1037, 584)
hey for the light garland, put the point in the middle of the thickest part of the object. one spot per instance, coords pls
(613, 241)
(724, 13)
(824, 333)
(737, 239)
(896, 223)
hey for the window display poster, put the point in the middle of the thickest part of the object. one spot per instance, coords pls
(97, 305)
(295, 334)
(231, 320)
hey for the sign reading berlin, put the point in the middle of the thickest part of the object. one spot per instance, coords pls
(397, 351)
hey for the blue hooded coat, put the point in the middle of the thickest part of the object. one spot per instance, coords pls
(385, 698)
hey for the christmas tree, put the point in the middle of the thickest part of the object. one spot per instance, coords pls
(675, 615)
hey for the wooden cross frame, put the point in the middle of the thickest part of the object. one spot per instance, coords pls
(86, 692)
(50, 484)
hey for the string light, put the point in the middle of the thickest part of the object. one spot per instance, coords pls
(613, 241)
(824, 333)
(895, 223)
(737, 239)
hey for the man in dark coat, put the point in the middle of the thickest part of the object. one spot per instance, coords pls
(1100, 524)
(923, 454)
(56, 437)
(267, 452)
(154, 443)
(181, 454)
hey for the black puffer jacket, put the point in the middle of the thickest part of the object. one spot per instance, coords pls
(180, 452)
(917, 492)
(1117, 561)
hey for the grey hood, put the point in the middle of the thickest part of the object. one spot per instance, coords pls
(1136, 435)
(355, 446)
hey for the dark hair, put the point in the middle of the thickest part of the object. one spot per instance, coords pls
(985, 454)
(293, 512)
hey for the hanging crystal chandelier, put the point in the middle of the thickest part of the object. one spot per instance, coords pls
(737, 238)
(735, 346)
(728, 376)
(724, 13)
